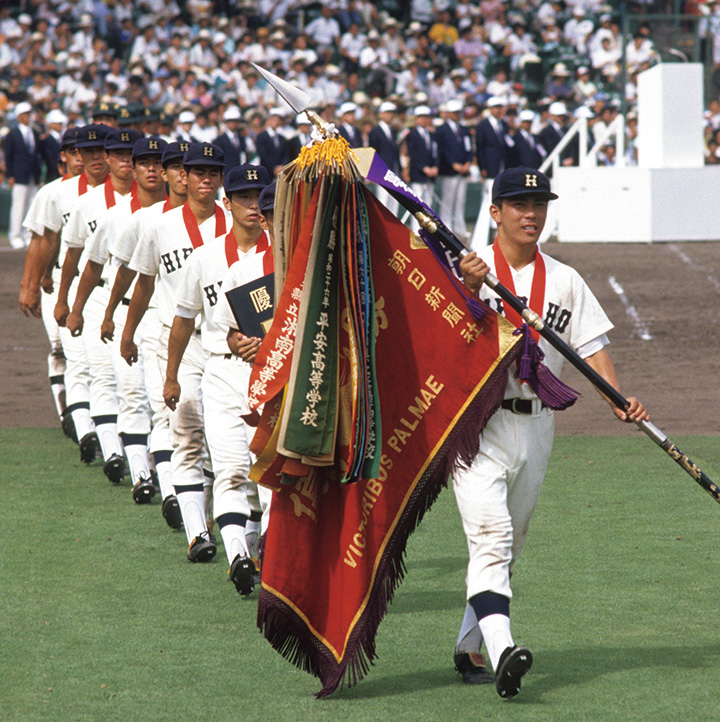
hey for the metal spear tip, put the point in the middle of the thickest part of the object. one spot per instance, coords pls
(297, 99)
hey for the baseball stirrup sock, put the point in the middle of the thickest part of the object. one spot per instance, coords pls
(252, 533)
(232, 530)
(106, 427)
(470, 637)
(57, 386)
(163, 467)
(136, 453)
(192, 508)
(81, 418)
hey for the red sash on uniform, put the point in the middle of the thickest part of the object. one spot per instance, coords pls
(537, 291)
(168, 206)
(193, 229)
(263, 245)
(82, 185)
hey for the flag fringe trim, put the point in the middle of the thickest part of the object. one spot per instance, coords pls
(288, 633)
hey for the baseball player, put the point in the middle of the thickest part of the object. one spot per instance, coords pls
(82, 223)
(497, 494)
(89, 144)
(122, 246)
(49, 277)
(162, 252)
(226, 377)
(134, 409)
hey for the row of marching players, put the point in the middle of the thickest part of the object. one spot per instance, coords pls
(129, 258)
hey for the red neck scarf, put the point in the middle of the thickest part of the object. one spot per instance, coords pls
(263, 245)
(168, 206)
(537, 290)
(110, 192)
(193, 229)
(82, 185)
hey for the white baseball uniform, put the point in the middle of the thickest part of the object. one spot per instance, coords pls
(54, 216)
(163, 250)
(497, 495)
(224, 384)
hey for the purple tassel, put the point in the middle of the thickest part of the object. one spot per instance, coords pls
(549, 389)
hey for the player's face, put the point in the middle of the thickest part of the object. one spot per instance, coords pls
(520, 220)
(73, 161)
(203, 181)
(94, 161)
(174, 176)
(244, 207)
(148, 172)
(120, 163)
(267, 221)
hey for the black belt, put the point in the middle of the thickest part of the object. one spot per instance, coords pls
(101, 282)
(520, 406)
(125, 301)
(198, 331)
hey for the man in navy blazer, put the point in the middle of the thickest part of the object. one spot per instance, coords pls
(492, 140)
(422, 154)
(50, 144)
(383, 137)
(528, 150)
(272, 146)
(455, 155)
(232, 143)
(23, 163)
(346, 127)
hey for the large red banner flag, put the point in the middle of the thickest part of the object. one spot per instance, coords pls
(333, 553)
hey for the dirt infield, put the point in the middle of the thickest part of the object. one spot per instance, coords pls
(666, 355)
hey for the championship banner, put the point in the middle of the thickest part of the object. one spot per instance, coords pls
(333, 552)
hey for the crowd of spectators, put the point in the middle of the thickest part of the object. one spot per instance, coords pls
(180, 64)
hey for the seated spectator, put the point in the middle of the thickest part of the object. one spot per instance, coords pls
(584, 88)
(559, 88)
(325, 32)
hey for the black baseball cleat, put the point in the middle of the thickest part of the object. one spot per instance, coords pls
(114, 468)
(202, 548)
(514, 664)
(144, 491)
(88, 447)
(68, 427)
(171, 512)
(242, 575)
(472, 673)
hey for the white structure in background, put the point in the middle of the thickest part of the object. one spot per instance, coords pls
(670, 195)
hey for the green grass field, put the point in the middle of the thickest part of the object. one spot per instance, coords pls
(102, 618)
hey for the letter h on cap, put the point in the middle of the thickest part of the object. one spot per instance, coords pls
(208, 151)
(252, 175)
(530, 180)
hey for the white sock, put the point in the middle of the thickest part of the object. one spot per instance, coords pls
(233, 536)
(109, 440)
(137, 460)
(83, 422)
(192, 508)
(58, 392)
(470, 638)
(495, 630)
(252, 534)
(164, 472)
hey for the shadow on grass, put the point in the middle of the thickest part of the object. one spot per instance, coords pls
(411, 602)
(554, 669)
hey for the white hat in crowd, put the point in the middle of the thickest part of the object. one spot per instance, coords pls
(387, 107)
(557, 108)
(187, 116)
(22, 108)
(526, 115)
(495, 101)
(454, 106)
(55, 116)
(347, 107)
(423, 110)
(232, 113)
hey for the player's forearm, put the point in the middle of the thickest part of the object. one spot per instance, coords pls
(601, 362)
(46, 254)
(68, 273)
(180, 333)
(138, 304)
(88, 281)
(123, 281)
(31, 259)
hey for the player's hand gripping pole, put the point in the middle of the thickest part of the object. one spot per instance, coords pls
(300, 101)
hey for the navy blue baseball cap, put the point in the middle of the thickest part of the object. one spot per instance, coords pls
(69, 138)
(152, 145)
(105, 110)
(92, 136)
(522, 181)
(267, 198)
(207, 154)
(122, 139)
(175, 151)
(246, 176)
